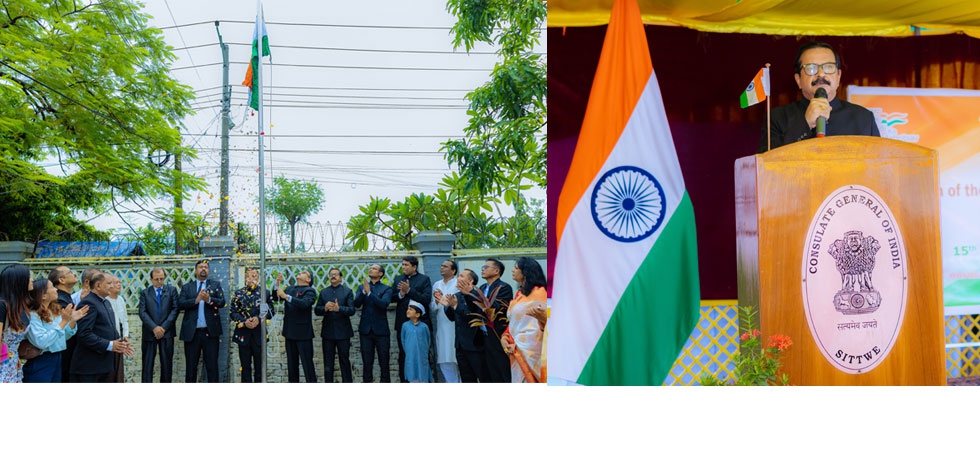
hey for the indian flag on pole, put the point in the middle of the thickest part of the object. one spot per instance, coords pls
(253, 65)
(626, 295)
(757, 90)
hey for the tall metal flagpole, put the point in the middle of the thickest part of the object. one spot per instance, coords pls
(768, 123)
(260, 27)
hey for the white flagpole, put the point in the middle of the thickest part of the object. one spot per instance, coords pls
(260, 27)
(768, 123)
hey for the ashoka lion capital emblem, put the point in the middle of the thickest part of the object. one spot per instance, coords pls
(855, 256)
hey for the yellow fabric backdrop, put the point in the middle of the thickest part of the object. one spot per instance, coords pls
(893, 18)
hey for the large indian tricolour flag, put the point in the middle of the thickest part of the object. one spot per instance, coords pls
(626, 295)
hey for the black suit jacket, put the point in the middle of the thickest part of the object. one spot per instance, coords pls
(95, 331)
(167, 316)
(374, 312)
(186, 302)
(467, 338)
(420, 290)
(789, 124)
(297, 318)
(336, 324)
(504, 296)
(245, 304)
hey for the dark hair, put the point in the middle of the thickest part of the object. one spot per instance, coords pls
(98, 278)
(13, 291)
(498, 263)
(335, 268)
(412, 260)
(380, 267)
(472, 275)
(452, 263)
(88, 274)
(56, 274)
(809, 46)
(416, 308)
(37, 301)
(202, 261)
(533, 274)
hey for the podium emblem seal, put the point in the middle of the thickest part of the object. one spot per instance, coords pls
(855, 279)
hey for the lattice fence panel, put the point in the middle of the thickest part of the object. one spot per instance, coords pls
(710, 347)
(963, 358)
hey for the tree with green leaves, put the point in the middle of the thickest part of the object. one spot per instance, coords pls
(84, 85)
(504, 150)
(292, 201)
(453, 209)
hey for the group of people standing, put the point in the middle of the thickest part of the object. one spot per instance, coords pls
(62, 337)
(455, 327)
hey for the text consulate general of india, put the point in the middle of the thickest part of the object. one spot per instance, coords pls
(626, 294)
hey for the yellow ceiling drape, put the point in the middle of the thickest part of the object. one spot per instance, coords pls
(887, 18)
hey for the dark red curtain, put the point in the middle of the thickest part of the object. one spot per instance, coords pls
(701, 77)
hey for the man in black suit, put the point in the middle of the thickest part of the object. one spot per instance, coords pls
(200, 330)
(373, 297)
(470, 341)
(297, 326)
(498, 363)
(817, 67)
(158, 311)
(336, 306)
(410, 285)
(64, 280)
(98, 337)
(245, 315)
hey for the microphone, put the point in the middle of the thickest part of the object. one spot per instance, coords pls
(821, 120)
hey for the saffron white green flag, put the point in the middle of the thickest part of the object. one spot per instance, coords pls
(260, 44)
(626, 295)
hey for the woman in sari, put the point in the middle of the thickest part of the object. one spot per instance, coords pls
(527, 317)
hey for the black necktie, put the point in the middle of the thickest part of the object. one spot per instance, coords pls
(112, 317)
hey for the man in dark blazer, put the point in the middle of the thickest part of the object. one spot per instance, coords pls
(200, 330)
(470, 341)
(158, 311)
(93, 360)
(297, 325)
(245, 314)
(64, 280)
(410, 285)
(498, 363)
(336, 306)
(373, 298)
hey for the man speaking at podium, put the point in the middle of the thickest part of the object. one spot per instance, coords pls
(818, 76)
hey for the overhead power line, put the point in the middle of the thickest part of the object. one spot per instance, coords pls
(356, 50)
(300, 24)
(327, 66)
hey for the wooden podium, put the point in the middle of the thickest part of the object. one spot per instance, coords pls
(783, 200)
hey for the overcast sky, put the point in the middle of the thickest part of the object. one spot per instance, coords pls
(343, 106)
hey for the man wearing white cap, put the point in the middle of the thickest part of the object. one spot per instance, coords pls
(415, 340)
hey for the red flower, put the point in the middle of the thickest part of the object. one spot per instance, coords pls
(780, 342)
(756, 333)
(744, 337)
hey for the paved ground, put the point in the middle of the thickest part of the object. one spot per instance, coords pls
(963, 381)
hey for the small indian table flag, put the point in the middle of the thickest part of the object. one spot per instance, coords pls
(757, 90)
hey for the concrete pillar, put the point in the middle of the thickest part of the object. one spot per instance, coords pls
(219, 250)
(15, 252)
(435, 246)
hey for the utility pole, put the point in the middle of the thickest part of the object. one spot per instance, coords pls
(225, 126)
(178, 206)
